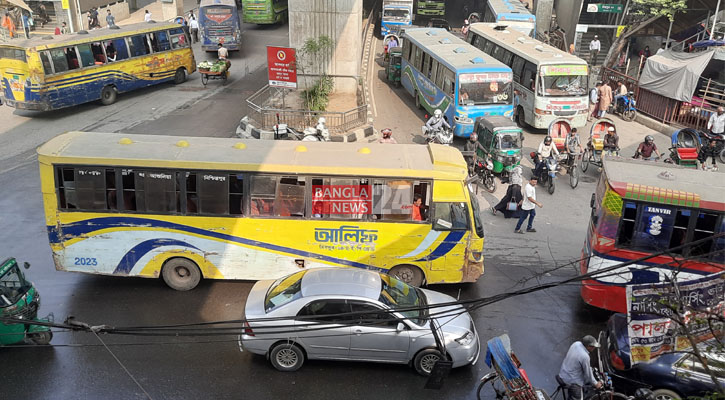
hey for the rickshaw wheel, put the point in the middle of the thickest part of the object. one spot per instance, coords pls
(42, 338)
(491, 387)
(204, 79)
(585, 160)
(722, 156)
(573, 176)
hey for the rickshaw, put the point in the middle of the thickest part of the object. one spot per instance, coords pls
(20, 300)
(559, 129)
(501, 140)
(595, 145)
(685, 148)
(386, 50)
(393, 68)
(509, 380)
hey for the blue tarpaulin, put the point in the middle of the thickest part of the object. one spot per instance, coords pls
(498, 350)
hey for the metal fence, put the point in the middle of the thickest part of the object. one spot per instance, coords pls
(267, 108)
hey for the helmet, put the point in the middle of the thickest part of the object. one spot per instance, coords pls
(649, 139)
(547, 140)
(322, 120)
(387, 132)
(438, 113)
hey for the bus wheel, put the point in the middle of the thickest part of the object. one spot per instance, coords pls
(180, 76)
(520, 117)
(409, 274)
(108, 95)
(181, 274)
(417, 100)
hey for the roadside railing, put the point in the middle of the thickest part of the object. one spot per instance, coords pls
(268, 107)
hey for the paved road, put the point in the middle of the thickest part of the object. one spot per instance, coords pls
(541, 325)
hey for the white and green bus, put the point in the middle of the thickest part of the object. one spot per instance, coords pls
(552, 83)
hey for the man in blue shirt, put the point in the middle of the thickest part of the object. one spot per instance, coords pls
(576, 370)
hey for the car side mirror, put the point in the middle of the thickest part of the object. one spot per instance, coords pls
(26, 265)
(400, 327)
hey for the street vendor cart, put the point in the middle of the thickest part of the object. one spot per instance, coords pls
(211, 70)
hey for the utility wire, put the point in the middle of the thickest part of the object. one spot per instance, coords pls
(123, 366)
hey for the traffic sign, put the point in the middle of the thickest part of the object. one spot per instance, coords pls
(605, 8)
(282, 67)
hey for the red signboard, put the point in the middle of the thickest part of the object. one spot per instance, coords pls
(281, 67)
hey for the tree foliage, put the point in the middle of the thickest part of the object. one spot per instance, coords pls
(644, 9)
(315, 55)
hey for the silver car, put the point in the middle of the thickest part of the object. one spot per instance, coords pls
(346, 314)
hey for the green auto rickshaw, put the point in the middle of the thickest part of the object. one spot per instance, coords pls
(501, 140)
(20, 300)
(393, 68)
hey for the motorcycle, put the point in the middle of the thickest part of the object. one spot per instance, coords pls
(548, 172)
(438, 135)
(316, 134)
(706, 137)
(625, 107)
(638, 156)
(483, 170)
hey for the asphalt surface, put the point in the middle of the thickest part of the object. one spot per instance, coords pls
(77, 366)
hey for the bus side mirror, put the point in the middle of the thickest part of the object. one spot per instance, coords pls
(593, 200)
(26, 265)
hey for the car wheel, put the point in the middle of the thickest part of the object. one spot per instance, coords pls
(181, 274)
(409, 274)
(665, 394)
(108, 95)
(425, 360)
(179, 76)
(287, 357)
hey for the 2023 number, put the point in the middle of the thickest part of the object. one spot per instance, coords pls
(85, 261)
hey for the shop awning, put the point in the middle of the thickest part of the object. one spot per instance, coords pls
(16, 3)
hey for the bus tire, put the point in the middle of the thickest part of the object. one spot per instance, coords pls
(108, 95)
(181, 274)
(407, 273)
(180, 76)
(520, 117)
(417, 100)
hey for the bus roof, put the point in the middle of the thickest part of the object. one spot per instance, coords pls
(512, 10)
(528, 48)
(285, 156)
(452, 50)
(206, 3)
(51, 41)
(623, 174)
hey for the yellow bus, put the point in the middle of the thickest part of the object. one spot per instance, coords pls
(52, 72)
(190, 208)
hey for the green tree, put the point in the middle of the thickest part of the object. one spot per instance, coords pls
(315, 55)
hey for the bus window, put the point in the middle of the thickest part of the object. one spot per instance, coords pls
(433, 74)
(517, 67)
(417, 59)
(192, 193)
(629, 217)
(138, 45)
(128, 179)
(72, 58)
(111, 192)
(98, 55)
(450, 216)
(704, 227)
(263, 194)
(156, 191)
(47, 65)
(528, 76)
(654, 227)
(393, 200)
(90, 185)
(66, 188)
(679, 229)
(163, 41)
(426, 65)
(87, 59)
(60, 61)
(236, 191)
(290, 199)
(213, 193)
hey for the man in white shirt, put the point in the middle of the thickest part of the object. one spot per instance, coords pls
(147, 16)
(594, 47)
(194, 28)
(660, 50)
(546, 149)
(716, 124)
(528, 206)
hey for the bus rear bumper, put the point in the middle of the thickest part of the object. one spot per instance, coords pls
(601, 295)
(24, 105)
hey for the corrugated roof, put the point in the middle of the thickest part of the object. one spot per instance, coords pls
(363, 159)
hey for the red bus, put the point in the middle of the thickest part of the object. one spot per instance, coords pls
(642, 208)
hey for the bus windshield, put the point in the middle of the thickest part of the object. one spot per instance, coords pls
(564, 81)
(481, 89)
(396, 14)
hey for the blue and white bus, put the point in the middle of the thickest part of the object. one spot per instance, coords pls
(219, 23)
(443, 72)
(511, 12)
(397, 16)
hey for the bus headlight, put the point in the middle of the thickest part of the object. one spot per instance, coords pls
(463, 120)
(542, 112)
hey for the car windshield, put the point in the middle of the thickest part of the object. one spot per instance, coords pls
(397, 294)
(508, 141)
(484, 88)
(283, 291)
(565, 86)
(12, 286)
(396, 14)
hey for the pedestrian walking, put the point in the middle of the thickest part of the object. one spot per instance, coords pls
(605, 99)
(9, 25)
(510, 203)
(716, 123)
(594, 48)
(194, 28)
(26, 25)
(528, 206)
(110, 19)
(43, 13)
(594, 101)
(147, 16)
(63, 28)
(517, 99)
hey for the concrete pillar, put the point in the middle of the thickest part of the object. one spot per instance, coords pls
(544, 9)
(567, 15)
(341, 21)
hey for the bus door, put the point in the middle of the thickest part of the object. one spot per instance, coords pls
(450, 222)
